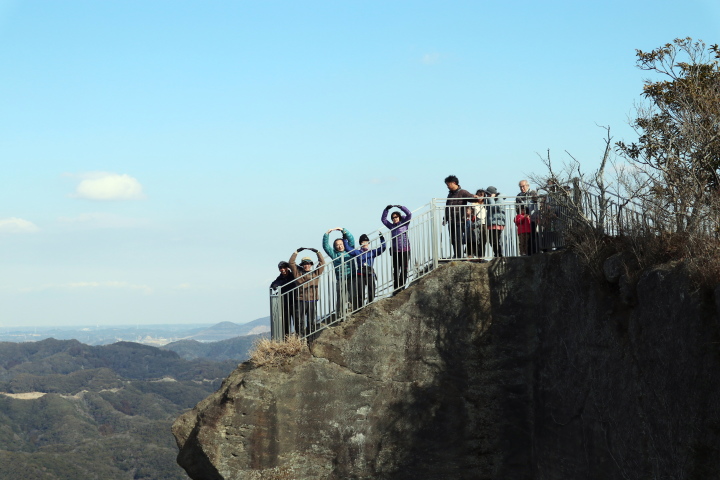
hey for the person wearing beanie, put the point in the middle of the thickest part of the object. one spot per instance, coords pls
(398, 225)
(285, 285)
(308, 281)
(495, 221)
(364, 278)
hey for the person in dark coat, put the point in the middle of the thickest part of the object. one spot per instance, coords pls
(285, 285)
(455, 214)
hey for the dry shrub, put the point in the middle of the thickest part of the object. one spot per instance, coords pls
(700, 253)
(592, 247)
(273, 353)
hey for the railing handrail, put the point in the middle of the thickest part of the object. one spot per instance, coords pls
(432, 240)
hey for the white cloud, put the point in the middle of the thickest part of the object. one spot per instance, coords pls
(431, 58)
(108, 186)
(17, 225)
(102, 220)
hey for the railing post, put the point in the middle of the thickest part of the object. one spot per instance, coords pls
(434, 234)
(275, 316)
(343, 290)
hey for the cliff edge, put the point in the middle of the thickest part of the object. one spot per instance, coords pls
(519, 368)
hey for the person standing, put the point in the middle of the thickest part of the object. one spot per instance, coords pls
(398, 225)
(285, 285)
(343, 265)
(476, 231)
(364, 279)
(455, 213)
(522, 220)
(495, 221)
(529, 198)
(308, 281)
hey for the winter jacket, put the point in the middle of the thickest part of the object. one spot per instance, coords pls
(309, 282)
(367, 258)
(479, 213)
(496, 212)
(398, 231)
(285, 283)
(523, 223)
(453, 212)
(342, 261)
(529, 199)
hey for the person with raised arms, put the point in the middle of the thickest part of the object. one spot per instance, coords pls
(364, 278)
(398, 225)
(342, 263)
(308, 294)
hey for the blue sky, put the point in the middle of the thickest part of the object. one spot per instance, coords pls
(159, 158)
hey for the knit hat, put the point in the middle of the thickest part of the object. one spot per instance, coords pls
(283, 264)
(306, 261)
(491, 190)
(364, 238)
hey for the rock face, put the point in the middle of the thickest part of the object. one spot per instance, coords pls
(520, 368)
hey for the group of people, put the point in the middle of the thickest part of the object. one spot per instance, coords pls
(353, 268)
(473, 221)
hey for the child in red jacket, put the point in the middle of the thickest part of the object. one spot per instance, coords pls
(522, 220)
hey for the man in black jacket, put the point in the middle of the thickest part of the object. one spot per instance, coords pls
(285, 284)
(455, 214)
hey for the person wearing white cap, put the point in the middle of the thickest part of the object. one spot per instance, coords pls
(308, 281)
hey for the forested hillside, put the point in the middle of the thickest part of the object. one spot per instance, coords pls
(73, 411)
(236, 348)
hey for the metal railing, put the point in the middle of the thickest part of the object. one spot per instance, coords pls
(479, 231)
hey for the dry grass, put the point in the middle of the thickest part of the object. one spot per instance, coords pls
(699, 253)
(266, 352)
(276, 473)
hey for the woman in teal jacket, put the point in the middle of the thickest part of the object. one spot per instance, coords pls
(341, 257)
(342, 262)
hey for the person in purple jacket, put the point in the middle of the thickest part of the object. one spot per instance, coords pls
(364, 278)
(398, 225)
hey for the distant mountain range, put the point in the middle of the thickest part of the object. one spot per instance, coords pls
(72, 411)
(236, 348)
(226, 330)
(156, 335)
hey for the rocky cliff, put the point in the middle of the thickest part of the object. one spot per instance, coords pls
(520, 368)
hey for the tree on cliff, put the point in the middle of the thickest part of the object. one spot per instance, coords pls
(678, 149)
